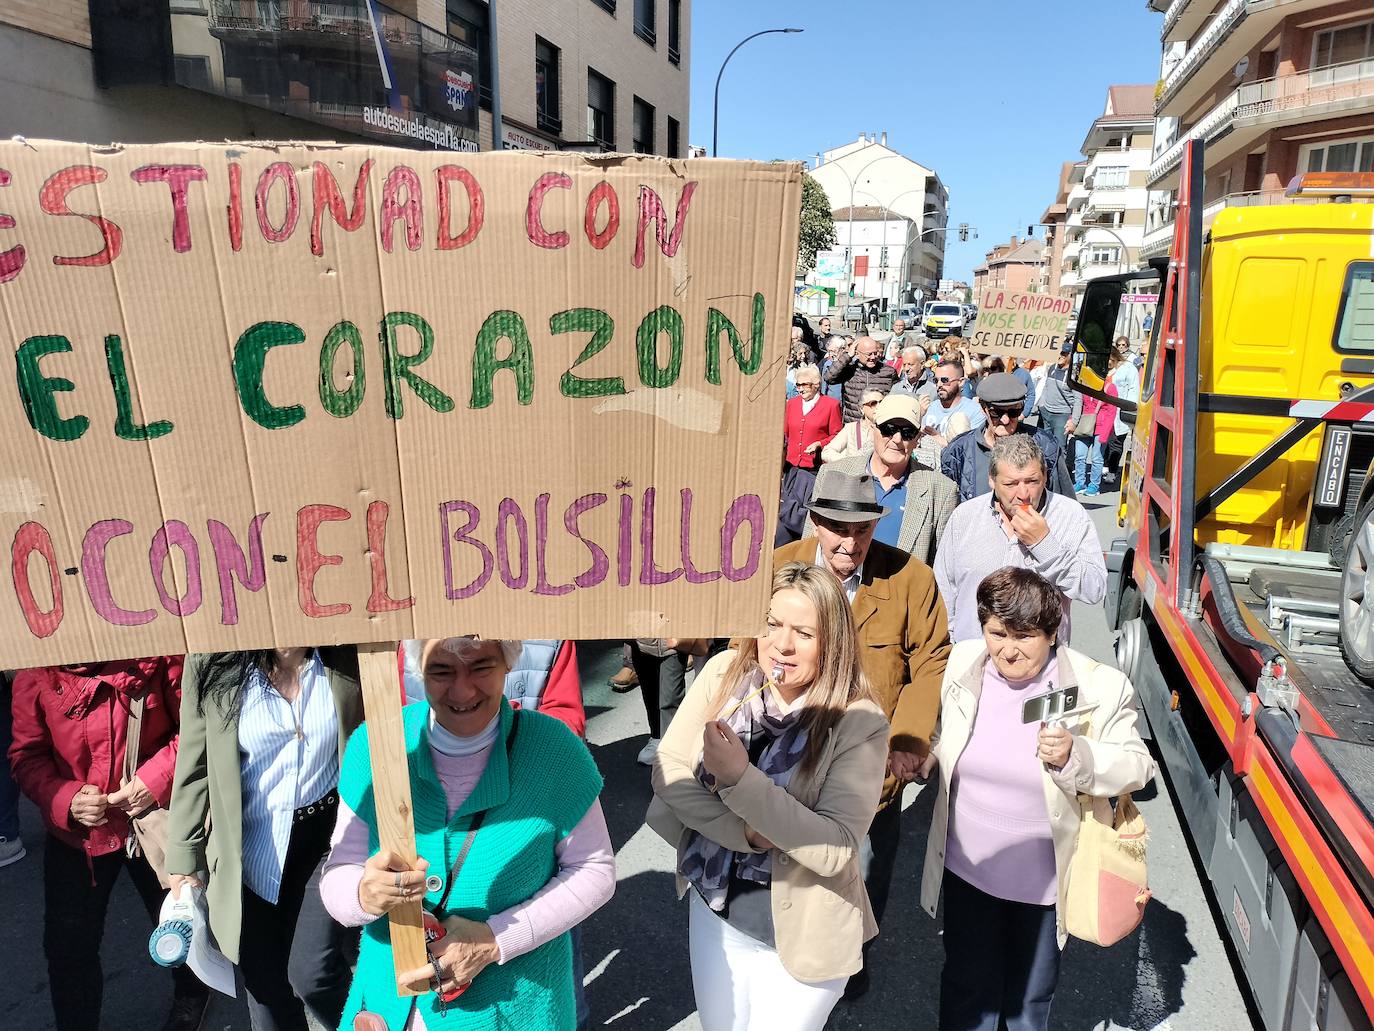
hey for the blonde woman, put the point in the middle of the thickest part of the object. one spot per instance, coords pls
(766, 783)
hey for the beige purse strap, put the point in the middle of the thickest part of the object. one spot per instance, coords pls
(133, 740)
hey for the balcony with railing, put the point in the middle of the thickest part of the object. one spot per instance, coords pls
(321, 22)
(1182, 18)
(1216, 122)
(1340, 85)
(1202, 49)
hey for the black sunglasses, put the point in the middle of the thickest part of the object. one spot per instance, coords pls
(891, 429)
(999, 412)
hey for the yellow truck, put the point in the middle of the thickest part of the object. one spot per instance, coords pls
(1243, 578)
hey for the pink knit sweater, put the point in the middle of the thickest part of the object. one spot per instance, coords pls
(999, 825)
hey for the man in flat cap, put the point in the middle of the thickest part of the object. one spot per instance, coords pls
(903, 646)
(1002, 398)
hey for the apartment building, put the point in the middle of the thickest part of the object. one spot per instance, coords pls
(869, 173)
(1018, 265)
(1105, 206)
(1055, 223)
(879, 242)
(559, 74)
(1274, 87)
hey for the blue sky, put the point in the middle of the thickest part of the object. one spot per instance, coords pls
(992, 94)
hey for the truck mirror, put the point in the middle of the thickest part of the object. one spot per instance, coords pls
(1096, 329)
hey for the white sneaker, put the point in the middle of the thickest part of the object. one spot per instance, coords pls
(11, 851)
(647, 753)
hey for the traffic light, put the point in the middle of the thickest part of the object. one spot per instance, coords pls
(963, 231)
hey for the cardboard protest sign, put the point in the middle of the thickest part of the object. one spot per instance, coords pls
(1023, 325)
(284, 395)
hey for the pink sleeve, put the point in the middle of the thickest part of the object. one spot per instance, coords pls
(343, 870)
(583, 884)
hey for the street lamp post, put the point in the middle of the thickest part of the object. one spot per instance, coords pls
(715, 107)
(853, 184)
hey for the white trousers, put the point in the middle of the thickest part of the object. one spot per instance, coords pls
(740, 983)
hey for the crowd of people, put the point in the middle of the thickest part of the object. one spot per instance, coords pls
(929, 546)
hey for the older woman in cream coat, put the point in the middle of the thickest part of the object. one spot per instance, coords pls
(1007, 816)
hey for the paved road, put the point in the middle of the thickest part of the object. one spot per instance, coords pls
(1173, 974)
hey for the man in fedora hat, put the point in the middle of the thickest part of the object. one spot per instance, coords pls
(903, 645)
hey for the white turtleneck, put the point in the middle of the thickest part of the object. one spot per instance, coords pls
(445, 742)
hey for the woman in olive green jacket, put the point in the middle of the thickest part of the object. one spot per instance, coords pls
(253, 804)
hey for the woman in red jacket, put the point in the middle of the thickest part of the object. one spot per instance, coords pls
(71, 727)
(811, 422)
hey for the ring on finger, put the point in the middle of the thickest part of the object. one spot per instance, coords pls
(397, 877)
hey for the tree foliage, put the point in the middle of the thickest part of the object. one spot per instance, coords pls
(817, 225)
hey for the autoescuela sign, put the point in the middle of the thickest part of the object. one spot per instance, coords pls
(325, 394)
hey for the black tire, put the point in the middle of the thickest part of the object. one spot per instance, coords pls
(1357, 597)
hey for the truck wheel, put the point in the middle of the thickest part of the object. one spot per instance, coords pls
(1357, 597)
(1129, 647)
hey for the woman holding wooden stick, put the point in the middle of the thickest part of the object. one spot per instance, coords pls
(766, 783)
(513, 853)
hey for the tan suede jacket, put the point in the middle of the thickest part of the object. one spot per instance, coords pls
(821, 914)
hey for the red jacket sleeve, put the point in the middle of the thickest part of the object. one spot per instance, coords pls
(562, 697)
(31, 752)
(157, 770)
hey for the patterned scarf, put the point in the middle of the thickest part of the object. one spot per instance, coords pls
(706, 865)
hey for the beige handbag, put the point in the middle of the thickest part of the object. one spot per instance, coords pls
(1107, 883)
(149, 836)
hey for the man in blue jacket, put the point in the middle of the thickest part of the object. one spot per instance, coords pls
(1002, 398)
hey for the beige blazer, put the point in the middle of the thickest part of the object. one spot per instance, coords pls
(208, 782)
(1108, 756)
(821, 913)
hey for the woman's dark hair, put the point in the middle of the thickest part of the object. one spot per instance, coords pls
(1021, 599)
(224, 674)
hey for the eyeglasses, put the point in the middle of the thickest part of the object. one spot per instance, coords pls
(998, 412)
(948, 379)
(890, 429)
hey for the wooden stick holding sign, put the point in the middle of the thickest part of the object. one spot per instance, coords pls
(391, 793)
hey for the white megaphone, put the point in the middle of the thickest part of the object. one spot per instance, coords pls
(182, 936)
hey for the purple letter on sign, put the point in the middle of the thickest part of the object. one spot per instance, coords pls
(175, 532)
(461, 535)
(230, 564)
(747, 508)
(97, 581)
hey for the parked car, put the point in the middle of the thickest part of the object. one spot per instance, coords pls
(970, 315)
(944, 318)
(910, 314)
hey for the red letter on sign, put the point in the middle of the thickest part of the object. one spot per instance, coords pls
(12, 260)
(381, 600)
(602, 193)
(30, 538)
(53, 200)
(534, 227)
(329, 198)
(651, 207)
(278, 170)
(401, 179)
(309, 560)
(176, 177)
(477, 206)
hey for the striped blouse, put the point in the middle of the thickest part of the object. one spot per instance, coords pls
(288, 758)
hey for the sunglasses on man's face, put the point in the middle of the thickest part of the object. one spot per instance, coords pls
(907, 431)
(948, 379)
(998, 413)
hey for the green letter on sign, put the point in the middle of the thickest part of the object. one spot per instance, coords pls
(125, 427)
(396, 366)
(601, 326)
(36, 390)
(250, 356)
(510, 326)
(661, 319)
(342, 403)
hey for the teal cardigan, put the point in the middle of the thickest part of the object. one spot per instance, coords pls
(533, 799)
